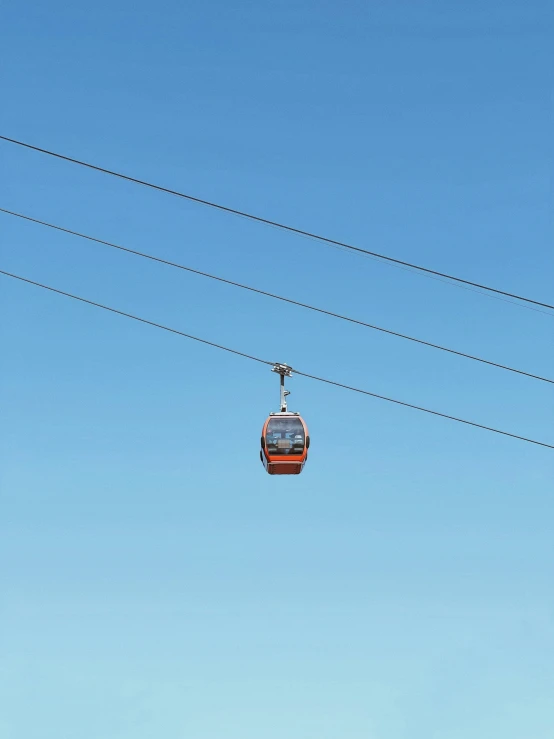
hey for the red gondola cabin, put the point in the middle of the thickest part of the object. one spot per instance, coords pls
(285, 443)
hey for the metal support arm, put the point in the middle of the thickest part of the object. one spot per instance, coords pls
(284, 371)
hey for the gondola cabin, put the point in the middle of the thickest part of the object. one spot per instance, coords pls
(285, 443)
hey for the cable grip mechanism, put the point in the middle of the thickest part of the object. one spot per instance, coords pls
(283, 370)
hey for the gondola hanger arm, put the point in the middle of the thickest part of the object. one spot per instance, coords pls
(283, 370)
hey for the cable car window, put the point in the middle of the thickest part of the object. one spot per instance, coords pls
(285, 436)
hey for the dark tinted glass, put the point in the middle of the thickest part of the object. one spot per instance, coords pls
(285, 436)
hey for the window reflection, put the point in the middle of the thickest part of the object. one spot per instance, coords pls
(285, 436)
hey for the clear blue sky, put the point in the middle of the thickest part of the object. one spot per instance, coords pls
(155, 582)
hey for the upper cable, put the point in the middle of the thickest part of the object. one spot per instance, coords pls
(282, 226)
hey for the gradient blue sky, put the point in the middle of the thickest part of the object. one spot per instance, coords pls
(156, 583)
